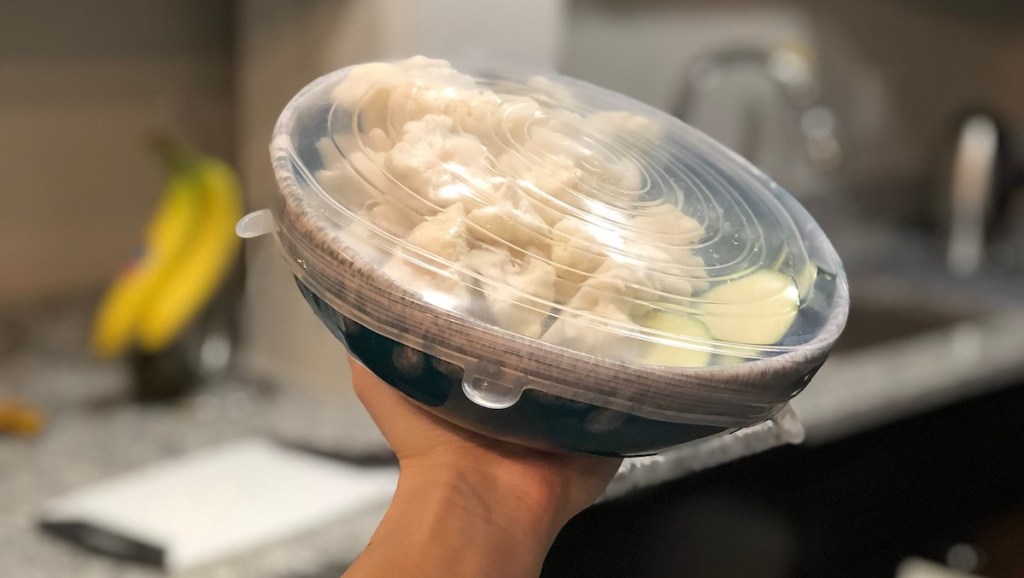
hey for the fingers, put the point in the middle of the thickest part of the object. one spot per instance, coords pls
(361, 378)
(378, 397)
(395, 414)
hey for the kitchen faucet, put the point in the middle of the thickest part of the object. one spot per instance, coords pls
(971, 193)
(789, 72)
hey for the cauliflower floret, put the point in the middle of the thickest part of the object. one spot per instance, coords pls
(444, 234)
(445, 288)
(367, 88)
(511, 278)
(519, 190)
(615, 124)
(577, 253)
(521, 228)
(687, 269)
(655, 271)
(345, 186)
(378, 140)
(625, 174)
(556, 140)
(470, 108)
(393, 218)
(439, 165)
(558, 169)
(549, 186)
(475, 113)
(516, 115)
(414, 100)
(354, 181)
(605, 296)
(330, 156)
(364, 163)
(673, 232)
(615, 181)
(668, 221)
(612, 293)
(443, 238)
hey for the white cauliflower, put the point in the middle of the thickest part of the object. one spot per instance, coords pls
(616, 124)
(367, 89)
(442, 241)
(655, 271)
(515, 191)
(508, 281)
(413, 100)
(440, 165)
(513, 118)
(471, 110)
(606, 297)
(616, 180)
(330, 156)
(378, 140)
(520, 228)
(354, 180)
(443, 235)
(478, 113)
(393, 218)
(550, 186)
(577, 253)
(612, 293)
(675, 234)
(666, 221)
(557, 139)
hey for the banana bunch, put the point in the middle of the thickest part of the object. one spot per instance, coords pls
(190, 247)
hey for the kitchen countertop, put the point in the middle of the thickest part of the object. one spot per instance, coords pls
(976, 348)
(865, 388)
(92, 432)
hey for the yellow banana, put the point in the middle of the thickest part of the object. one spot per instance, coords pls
(167, 236)
(209, 257)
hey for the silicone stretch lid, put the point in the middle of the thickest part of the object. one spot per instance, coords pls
(506, 219)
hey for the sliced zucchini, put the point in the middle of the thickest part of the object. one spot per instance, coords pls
(679, 324)
(804, 277)
(757, 309)
(805, 280)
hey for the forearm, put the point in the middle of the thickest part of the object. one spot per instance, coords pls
(454, 525)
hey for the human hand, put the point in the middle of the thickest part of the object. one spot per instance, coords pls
(492, 498)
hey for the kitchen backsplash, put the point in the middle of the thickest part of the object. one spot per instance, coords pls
(84, 85)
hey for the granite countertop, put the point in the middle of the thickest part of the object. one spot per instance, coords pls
(976, 348)
(862, 389)
(93, 432)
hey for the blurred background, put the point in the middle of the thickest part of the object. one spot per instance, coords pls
(898, 123)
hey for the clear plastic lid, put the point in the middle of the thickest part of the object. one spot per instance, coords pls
(544, 212)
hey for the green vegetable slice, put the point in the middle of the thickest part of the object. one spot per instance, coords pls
(675, 323)
(756, 310)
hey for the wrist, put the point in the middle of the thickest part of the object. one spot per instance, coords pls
(518, 506)
(456, 523)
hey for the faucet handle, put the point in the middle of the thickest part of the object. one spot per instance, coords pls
(981, 180)
(970, 193)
